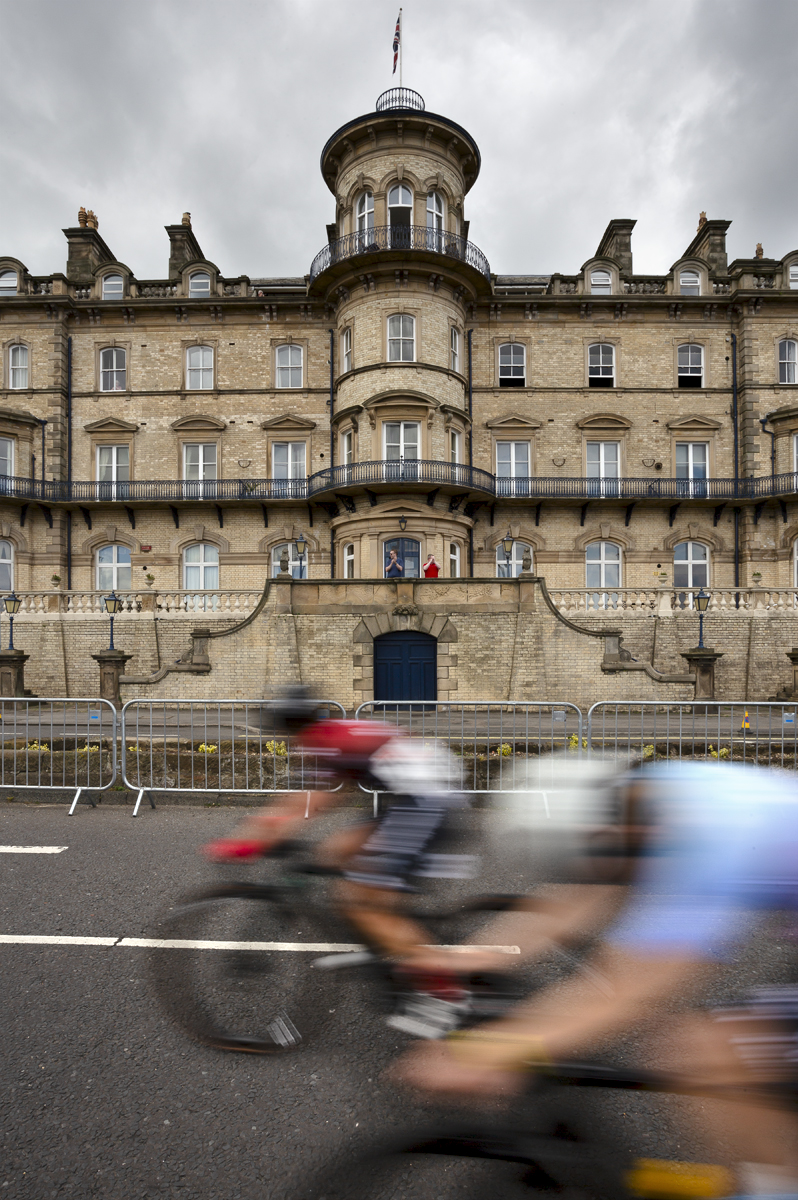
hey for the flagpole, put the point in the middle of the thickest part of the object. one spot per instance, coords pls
(401, 46)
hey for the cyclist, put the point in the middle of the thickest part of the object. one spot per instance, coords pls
(706, 847)
(378, 857)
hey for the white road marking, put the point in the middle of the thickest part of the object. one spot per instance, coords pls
(33, 849)
(35, 939)
(186, 944)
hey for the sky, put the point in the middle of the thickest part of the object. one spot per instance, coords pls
(584, 110)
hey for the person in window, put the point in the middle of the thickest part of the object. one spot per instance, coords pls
(394, 568)
(431, 570)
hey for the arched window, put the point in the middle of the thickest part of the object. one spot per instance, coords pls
(6, 567)
(8, 283)
(689, 283)
(346, 350)
(691, 366)
(289, 366)
(200, 567)
(603, 570)
(199, 285)
(6, 458)
(690, 570)
(400, 215)
(408, 558)
(113, 569)
(349, 560)
(794, 276)
(601, 365)
(454, 560)
(788, 361)
(401, 338)
(512, 567)
(296, 565)
(435, 221)
(113, 287)
(199, 373)
(600, 283)
(365, 212)
(113, 369)
(18, 366)
(512, 365)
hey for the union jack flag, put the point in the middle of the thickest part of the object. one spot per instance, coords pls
(396, 39)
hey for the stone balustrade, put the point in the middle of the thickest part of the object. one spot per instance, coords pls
(178, 603)
(661, 601)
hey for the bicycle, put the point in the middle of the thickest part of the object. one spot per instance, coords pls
(236, 968)
(552, 1148)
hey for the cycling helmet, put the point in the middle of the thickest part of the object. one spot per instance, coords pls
(294, 709)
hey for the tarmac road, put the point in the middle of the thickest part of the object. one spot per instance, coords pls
(101, 1097)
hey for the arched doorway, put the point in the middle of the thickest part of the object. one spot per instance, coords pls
(405, 666)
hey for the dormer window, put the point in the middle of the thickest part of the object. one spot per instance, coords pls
(365, 212)
(794, 276)
(689, 283)
(8, 283)
(199, 285)
(113, 287)
(600, 283)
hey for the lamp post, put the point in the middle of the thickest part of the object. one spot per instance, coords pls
(113, 605)
(507, 544)
(300, 545)
(403, 523)
(13, 605)
(701, 603)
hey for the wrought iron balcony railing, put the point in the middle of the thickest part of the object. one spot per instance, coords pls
(410, 470)
(402, 238)
(80, 491)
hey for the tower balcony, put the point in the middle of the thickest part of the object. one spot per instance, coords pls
(395, 242)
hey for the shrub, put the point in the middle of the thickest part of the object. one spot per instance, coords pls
(277, 748)
(206, 749)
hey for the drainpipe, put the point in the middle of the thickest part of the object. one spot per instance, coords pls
(470, 445)
(736, 433)
(771, 434)
(332, 443)
(69, 464)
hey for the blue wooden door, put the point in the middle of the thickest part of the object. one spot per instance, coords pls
(405, 667)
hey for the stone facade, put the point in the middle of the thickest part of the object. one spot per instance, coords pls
(400, 389)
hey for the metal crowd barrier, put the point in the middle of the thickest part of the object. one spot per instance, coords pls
(58, 744)
(747, 731)
(212, 746)
(485, 745)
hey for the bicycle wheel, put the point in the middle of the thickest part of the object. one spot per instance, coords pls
(226, 976)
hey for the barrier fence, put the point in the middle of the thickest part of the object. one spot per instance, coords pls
(202, 746)
(745, 731)
(212, 746)
(58, 744)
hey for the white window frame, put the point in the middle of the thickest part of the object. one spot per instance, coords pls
(115, 375)
(454, 348)
(689, 282)
(295, 564)
(435, 212)
(794, 565)
(788, 361)
(454, 560)
(599, 362)
(405, 440)
(364, 212)
(609, 560)
(693, 483)
(401, 343)
(512, 482)
(685, 598)
(196, 599)
(204, 483)
(199, 372)
(600, 282)
(516, 560)
(511, 356)
(7, 455)
(603, 468)
(346, 350)
(793, 276)
(795, 452)
(686, 365)
(5, 287)
(290, 362)
(196, 285)
(349, 560)
(118, 290)
(455, 446)
(107, 488)
(347, 447)
(18, 366)
(115, 566)
(296, 463)
(6, 565)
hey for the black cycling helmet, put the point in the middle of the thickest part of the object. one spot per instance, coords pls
(294, 709)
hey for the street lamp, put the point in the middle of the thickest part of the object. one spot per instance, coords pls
(113, 605)
(13, 605)
(403, 523)
(507, 543)
(300, 545)
(701, 603)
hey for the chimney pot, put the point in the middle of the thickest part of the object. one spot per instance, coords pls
(187, 219)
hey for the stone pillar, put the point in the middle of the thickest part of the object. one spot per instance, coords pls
(12, 672)
(199, 646)
(112, 664)
(703, 663)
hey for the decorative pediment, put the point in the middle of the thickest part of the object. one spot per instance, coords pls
(18, 416)
(400, 400)
(288, 421)
(450, 411)
(199, 423)
(604, 421)
(110, 425)
(702, 424)
(347, 414)
(513, 421)
(789, 413)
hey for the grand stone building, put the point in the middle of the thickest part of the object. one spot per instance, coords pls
(626, 438)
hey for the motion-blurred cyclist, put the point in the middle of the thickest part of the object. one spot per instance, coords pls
(706, 846)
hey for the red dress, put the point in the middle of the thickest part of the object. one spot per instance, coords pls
(430, 570)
